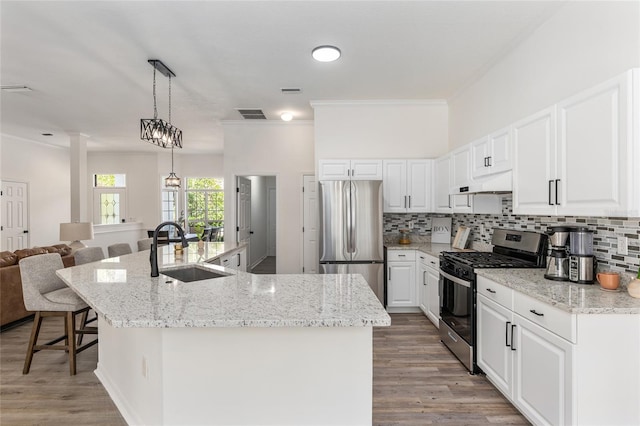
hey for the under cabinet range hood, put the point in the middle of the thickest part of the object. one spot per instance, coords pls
(496, 184)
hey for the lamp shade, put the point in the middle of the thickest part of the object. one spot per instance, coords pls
(75, 232)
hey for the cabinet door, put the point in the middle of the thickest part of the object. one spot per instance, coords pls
(442, 185)
(595, 144)
(419, 185)
(366, 169)
(401, 284)
(395, 186)
(480, 157)
(494, 343)
(462, 203)
(534, 164)
(542, 365)
(499, 158)
(460, 168)
(433, 296)
(421, 282)
(334, 169)
(241, 260)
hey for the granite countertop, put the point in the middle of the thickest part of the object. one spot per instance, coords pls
(569, 297)
(434, 249)
(123, 292)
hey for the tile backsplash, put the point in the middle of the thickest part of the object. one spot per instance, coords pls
(606, 231)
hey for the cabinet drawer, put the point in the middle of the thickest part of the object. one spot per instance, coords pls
(428, 260)
(553, 319)
(401, 255)
(496, 292)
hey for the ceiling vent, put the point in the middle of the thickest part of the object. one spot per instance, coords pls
(15, 89)
(291, 91)
(252, 114)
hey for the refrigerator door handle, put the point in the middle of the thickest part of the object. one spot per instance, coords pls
(353, 203)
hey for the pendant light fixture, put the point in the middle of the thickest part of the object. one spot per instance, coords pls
(172, 181)
(155, 130)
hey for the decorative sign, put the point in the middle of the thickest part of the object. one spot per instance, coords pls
(441, 230)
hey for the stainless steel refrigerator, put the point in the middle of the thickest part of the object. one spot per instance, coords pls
(351, 230)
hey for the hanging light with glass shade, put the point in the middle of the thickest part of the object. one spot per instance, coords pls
(155, 130)
(172, 181)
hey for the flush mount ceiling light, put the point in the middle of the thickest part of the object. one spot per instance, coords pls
(325, 53)
(155, 130)
(286, 116)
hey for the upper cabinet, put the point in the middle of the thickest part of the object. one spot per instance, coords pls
(407, 186)
(491, 154)
(460, 169)
(577, 158)
(350, 169)
(442, 184)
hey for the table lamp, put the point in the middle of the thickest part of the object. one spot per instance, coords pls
(75, 232)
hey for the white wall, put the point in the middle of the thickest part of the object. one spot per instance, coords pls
(284, 150)
(46, 170)
(380, 129)
(582, 44)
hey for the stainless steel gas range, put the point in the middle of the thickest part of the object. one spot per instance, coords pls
(511, 249)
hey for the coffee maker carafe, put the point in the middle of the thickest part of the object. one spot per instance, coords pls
(558, 257)
(582, 262)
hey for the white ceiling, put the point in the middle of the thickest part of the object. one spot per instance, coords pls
(86, 61)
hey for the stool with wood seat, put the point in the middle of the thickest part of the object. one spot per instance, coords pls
(47, 295)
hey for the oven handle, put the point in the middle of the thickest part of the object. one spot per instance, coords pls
(455, 279)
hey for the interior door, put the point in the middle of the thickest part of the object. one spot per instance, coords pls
(310, 225)
(15, 216)
(271, 222)
(243, 219)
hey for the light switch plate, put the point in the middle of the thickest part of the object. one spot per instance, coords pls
(623, 245)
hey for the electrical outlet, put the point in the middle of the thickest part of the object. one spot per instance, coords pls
(410, 224)
(623, 245)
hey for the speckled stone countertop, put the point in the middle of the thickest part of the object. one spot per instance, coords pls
(434, 249)
(123, 292)
(573, 298)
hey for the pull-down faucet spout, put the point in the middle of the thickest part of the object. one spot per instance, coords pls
(153, 256)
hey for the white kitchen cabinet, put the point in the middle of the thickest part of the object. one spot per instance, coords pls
(402, 291)
(407, 186)
(235, 260)
(345, 169)
(445, 201)
(491, 154)
(573, 158)
(460, 168)
(428, 280)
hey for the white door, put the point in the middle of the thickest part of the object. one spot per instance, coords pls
(271, 222)
(243, 199)
(480, 157)
(310, 225)
(15, 216)
(419, 183)
(534, 164)
(494, 343)
(394, 182)
(499, 151)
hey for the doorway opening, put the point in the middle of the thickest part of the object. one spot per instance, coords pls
(256, 221)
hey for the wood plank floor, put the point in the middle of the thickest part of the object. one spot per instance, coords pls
(267, 266)
(416, 382)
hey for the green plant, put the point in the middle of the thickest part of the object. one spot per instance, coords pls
(199, 229)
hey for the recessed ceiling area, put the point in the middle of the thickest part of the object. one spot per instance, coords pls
(86, 62)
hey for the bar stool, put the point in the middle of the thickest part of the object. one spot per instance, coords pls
(88, 255)
(47, 295)
(119, 249)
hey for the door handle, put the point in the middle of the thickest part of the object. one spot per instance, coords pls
(405, 201)
(424, 279)
(533, 311)
(238, 260)
(489, 161)
(389, 275)
(486, 161)
(491, 291)
(409, 201)
(550, 184)
(449, 200)
(557, 181)
(513, 346)
(506, 335)
(26, 231)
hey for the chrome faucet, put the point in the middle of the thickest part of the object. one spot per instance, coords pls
(153, 256)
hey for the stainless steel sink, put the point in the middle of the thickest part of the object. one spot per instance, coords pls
(193, 273)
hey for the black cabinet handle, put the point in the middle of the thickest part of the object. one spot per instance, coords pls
(513, 346)
(506, 335)
(409, 201)
(550, 184)
(557, 181)
(424, 279)
(491, 291)
(238, 260)
(489, 161)
(26, 231)
(533, 311)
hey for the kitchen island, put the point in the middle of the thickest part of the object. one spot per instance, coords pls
(241, 349)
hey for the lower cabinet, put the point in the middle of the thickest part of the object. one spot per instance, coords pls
(428, 280)
(401, 279)
(235, 260)
(559, 368)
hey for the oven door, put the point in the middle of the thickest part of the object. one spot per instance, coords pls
(456, 305)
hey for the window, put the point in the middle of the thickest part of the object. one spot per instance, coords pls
(205, 204)
(109, 198)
